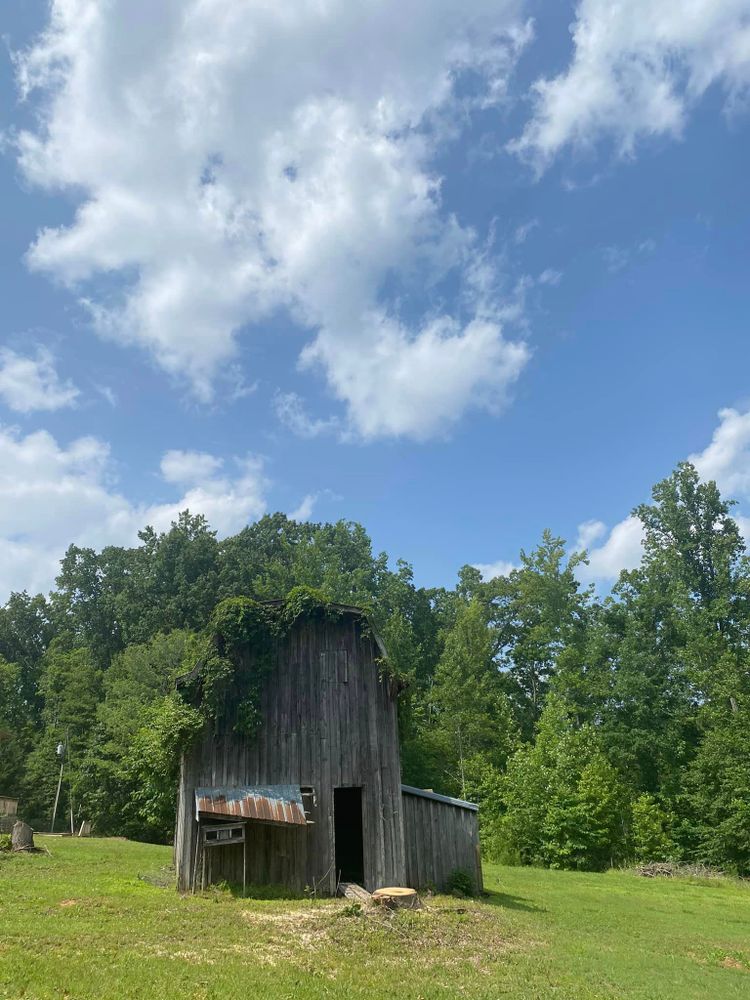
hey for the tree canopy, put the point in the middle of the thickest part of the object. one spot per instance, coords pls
(593, 729)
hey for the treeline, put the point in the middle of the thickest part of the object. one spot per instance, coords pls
(591, 731)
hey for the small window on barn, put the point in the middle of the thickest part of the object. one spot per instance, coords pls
(226, 833)
(308, 802)
(335, 663)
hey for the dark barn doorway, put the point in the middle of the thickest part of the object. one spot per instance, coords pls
(347, 825)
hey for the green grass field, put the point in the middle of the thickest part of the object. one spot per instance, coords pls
(91, 921)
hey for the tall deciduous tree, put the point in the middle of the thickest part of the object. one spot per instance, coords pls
(540, 612)
(473, 714)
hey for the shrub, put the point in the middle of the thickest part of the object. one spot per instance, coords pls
(459, 883)
(565, 805)
(650, 831)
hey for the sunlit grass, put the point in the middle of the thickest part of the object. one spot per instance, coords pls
(92, 920)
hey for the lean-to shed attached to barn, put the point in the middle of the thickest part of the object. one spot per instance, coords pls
(310, 794)
(442, 836)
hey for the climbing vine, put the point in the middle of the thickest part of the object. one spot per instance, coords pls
(239, 651)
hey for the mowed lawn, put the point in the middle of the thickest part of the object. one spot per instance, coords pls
(89, 921)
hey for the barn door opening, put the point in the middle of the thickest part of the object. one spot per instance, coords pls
(347, 826)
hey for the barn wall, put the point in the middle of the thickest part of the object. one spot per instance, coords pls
(274, 856)
(329, 720)
(439, 837)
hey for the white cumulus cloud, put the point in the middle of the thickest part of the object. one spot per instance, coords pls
(291, 411)
(419, 384)
(726, 460)
(490, 570)
(189, 466)
(30, 382)
(636, 70)
(305, 509)
(619, 549)
(53, 495)
(236, 157)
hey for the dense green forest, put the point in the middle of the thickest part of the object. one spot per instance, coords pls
(592, 730)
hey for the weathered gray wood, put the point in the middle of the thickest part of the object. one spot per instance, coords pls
(440, 838)
(329, 720)
(350, 890)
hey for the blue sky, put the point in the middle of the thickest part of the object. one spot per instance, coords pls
(459, 273)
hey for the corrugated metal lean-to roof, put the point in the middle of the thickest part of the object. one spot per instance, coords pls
(278, 804)
(425, 793)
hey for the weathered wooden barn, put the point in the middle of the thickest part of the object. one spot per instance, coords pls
(313, 797)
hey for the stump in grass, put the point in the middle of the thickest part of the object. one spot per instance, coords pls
(22, 837)
(394, 897)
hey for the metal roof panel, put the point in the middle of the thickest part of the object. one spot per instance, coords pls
(279, 804)
(425, 794)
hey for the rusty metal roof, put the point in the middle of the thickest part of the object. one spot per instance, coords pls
(280, 804)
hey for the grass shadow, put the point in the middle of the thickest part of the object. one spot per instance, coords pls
(508, 902)
(162, 878)
(260, 892)
(165, 878)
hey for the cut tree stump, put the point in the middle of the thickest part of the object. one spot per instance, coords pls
(22, 837)
(394, 897)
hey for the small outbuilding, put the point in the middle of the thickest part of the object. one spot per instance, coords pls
(8, 813)
(309, 796)
(8, 806)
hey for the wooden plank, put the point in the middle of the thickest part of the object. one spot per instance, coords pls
(350, 890)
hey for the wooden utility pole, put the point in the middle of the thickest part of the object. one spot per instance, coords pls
(57, 796)
(60, 750)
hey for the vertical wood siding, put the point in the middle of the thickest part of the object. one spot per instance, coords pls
(329, 720)
(440, 838)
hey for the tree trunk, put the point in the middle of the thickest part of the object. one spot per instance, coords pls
(394, 897)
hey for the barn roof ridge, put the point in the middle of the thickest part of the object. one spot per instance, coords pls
(353, 609)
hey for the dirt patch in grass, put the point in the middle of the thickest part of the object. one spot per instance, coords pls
(204, 957)
(731, 959)
(431, 937)
(723, 957)
(732, 963)
(293, 918)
